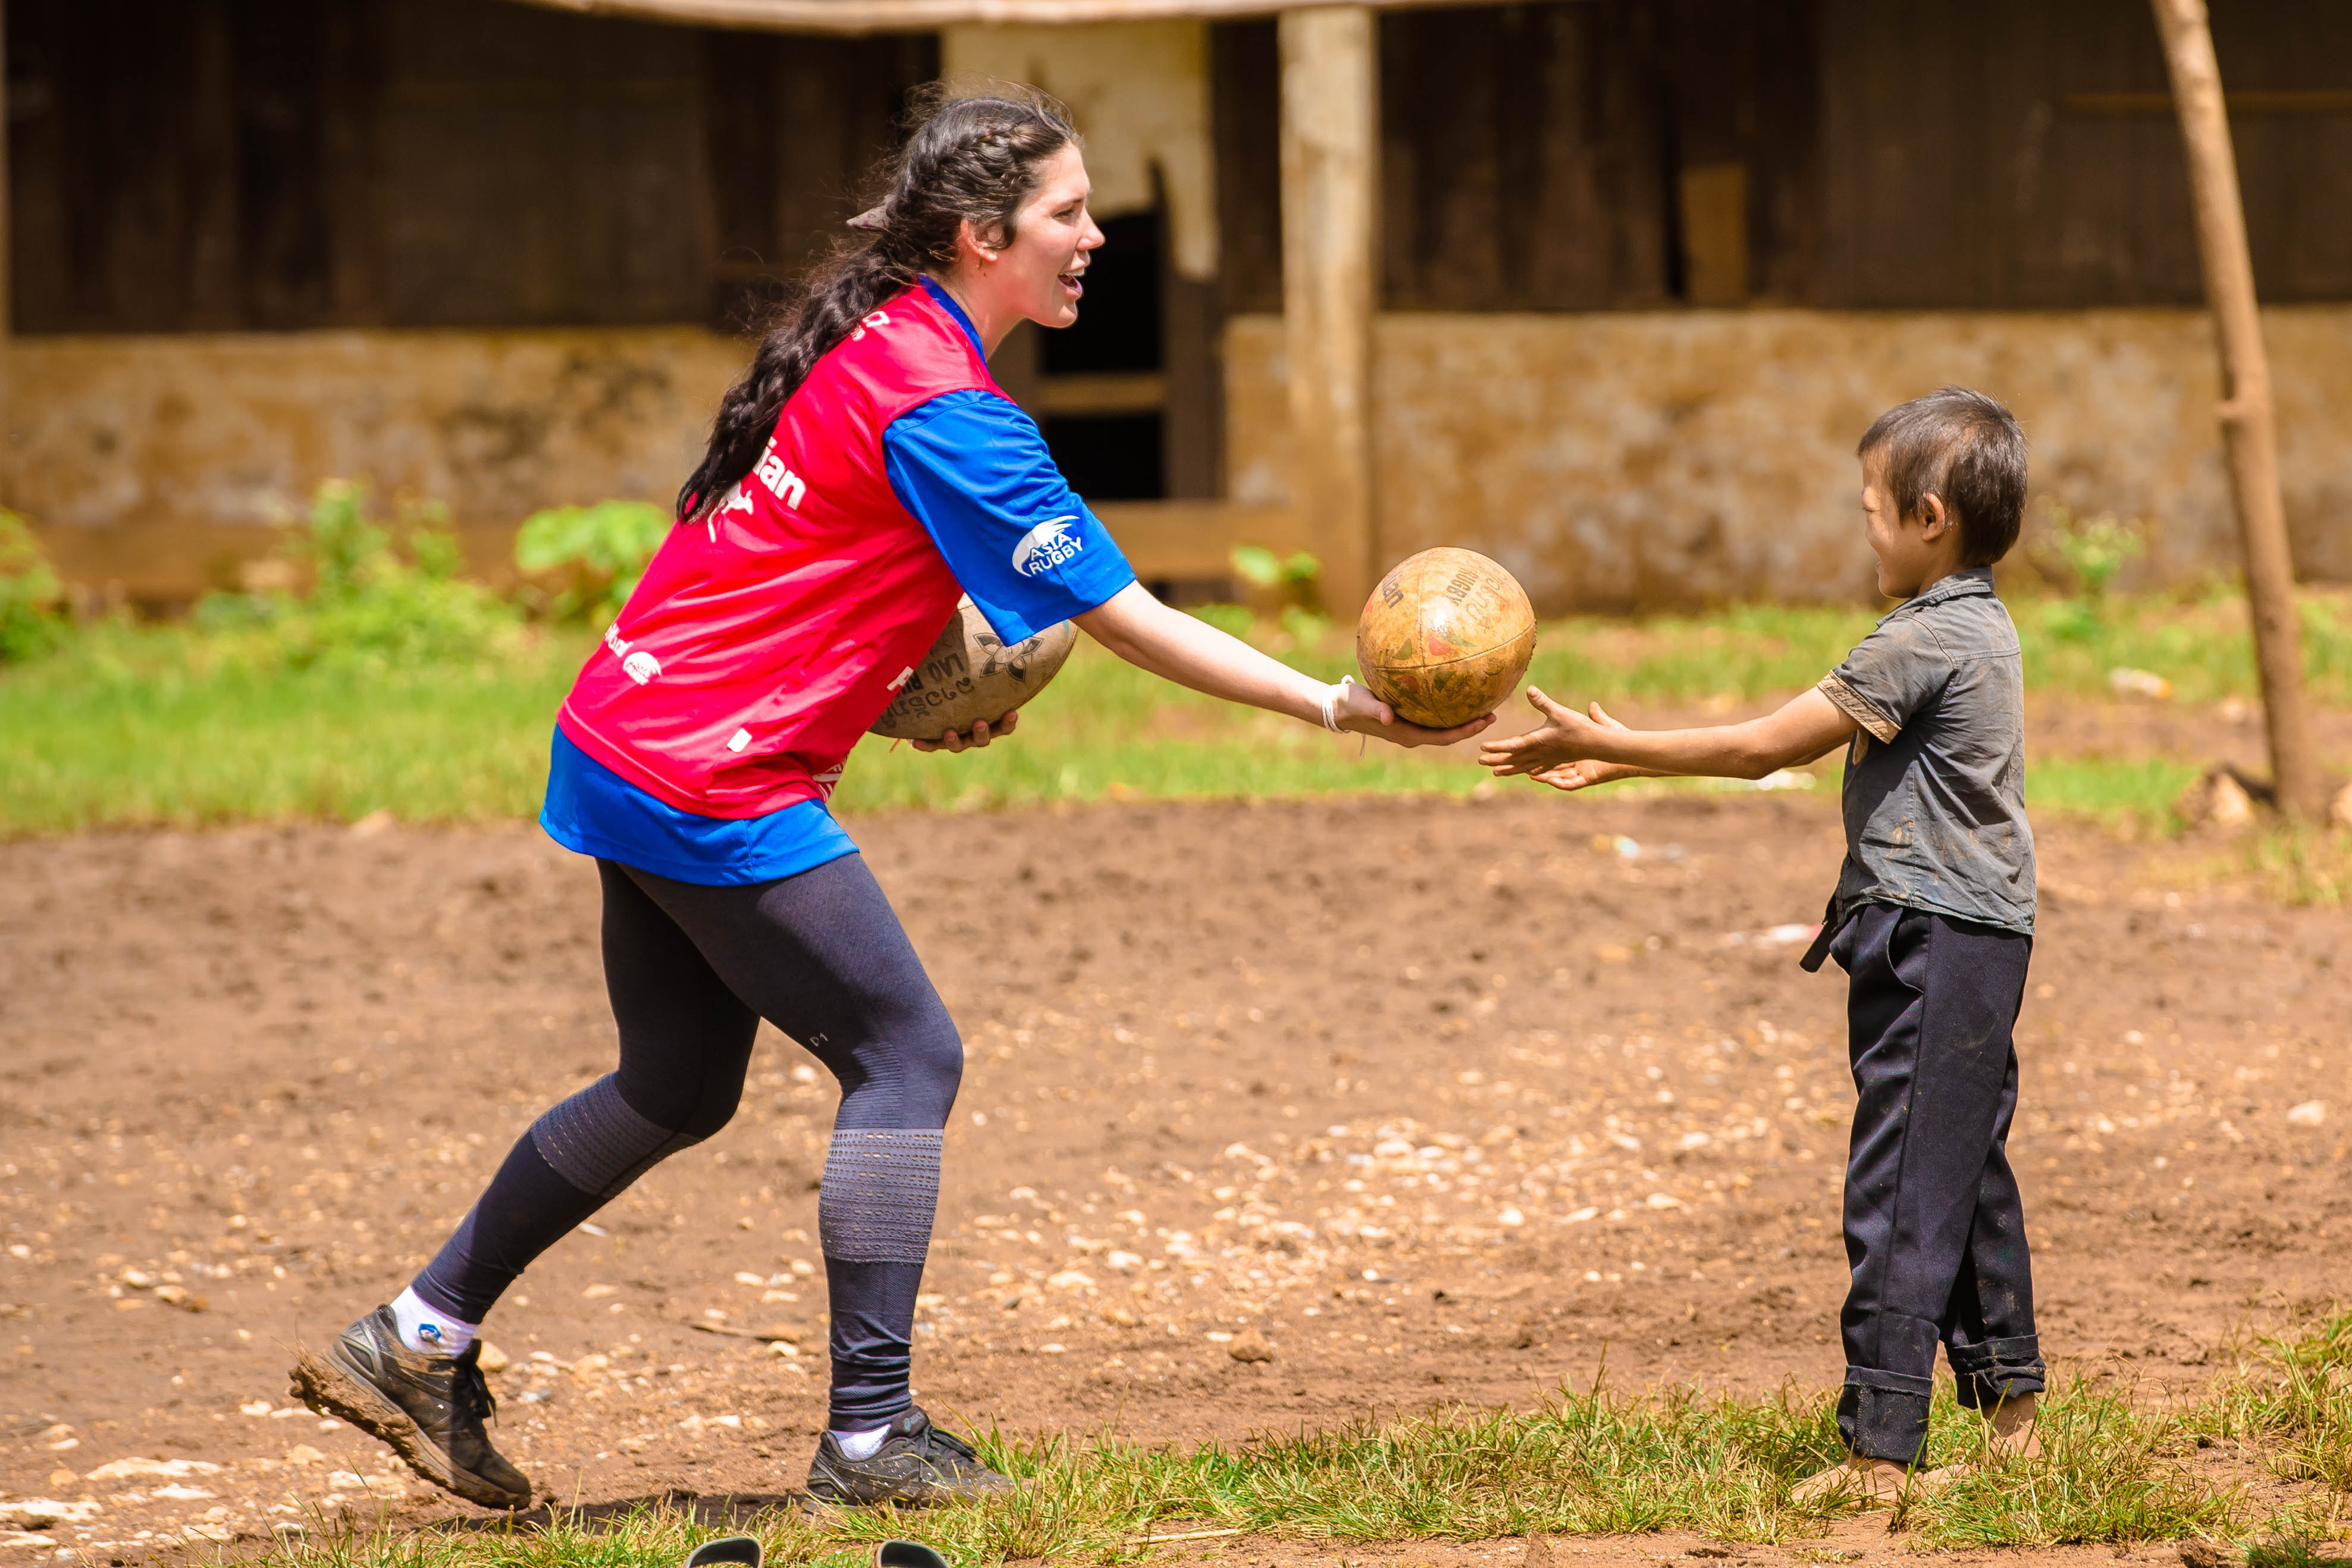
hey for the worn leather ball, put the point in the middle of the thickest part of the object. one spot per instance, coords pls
(1445, 637)
(970, 675)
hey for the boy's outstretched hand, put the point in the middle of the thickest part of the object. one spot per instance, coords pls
(1558, 751)
(1575, 751)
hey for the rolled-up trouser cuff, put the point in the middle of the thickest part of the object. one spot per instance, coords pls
(1997, 1369)
(1884, 1415)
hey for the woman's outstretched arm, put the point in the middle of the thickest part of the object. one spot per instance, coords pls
(1192, 653)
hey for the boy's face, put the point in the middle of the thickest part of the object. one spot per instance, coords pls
(1912, 552)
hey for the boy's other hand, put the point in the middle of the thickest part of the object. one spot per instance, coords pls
(1565, 739)
(1574, 776)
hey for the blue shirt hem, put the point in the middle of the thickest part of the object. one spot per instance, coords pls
(591, 810)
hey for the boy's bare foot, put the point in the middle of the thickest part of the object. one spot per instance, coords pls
(1869, 1482)
(2010, 1431)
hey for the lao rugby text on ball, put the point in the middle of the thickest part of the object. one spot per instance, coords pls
(970, 675)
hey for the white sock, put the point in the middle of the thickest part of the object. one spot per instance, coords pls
(861, 1445)
(429, 1330)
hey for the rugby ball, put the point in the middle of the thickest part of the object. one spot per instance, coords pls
(970, 675)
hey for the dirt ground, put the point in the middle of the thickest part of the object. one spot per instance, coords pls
(1441, 1099)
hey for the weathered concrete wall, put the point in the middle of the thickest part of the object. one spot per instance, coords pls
(1612, 461)
(148, 460)
(1140, 91)
(1624, 460)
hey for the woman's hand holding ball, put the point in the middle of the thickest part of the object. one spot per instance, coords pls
(971, 740)
(1357, 712)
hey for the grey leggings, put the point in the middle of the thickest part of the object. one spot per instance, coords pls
(691, 970)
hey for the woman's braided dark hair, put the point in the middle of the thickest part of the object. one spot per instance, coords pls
(977, 158)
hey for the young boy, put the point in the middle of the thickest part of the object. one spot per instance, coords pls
(1933, 919)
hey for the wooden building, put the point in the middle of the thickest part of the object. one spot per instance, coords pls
(1606, 288)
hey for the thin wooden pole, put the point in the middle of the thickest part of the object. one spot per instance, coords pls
(7, 232)
(1329, 161)
(2249, 424)
(8, 278)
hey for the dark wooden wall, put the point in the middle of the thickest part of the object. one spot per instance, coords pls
(2024, 153)
(237, 164)
(537, 171)
(1531, 154)
(193, 164)
(240, 165)
(1245, 122)
(1914, 153)
(794, 127)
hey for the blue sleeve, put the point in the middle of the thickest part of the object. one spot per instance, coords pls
(973, 468)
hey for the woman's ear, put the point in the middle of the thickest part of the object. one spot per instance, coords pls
(971, 244)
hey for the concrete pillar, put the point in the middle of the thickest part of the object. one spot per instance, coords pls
(1329, 198)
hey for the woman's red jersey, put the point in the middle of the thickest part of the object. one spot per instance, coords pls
(765, 639)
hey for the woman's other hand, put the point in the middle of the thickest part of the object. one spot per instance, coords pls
(971, 740)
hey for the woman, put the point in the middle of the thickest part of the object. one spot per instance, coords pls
(864, 473)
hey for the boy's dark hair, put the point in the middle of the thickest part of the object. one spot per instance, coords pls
(1966, 447)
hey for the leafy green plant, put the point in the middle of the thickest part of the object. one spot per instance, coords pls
(367, 606)
(1262, 568)
(601, 551)
(30, 594)
(1234, 620)
(1277, 583)
(1305, 628)
(2089, 552)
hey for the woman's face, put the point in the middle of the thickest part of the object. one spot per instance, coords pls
(1040, 275)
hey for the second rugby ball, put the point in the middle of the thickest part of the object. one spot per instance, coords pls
(970, 675)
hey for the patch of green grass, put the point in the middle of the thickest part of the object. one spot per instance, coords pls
(2204, 645)
(2112, 1473)
(150, 728)
(2299, 865)
(1107, 729)
(2119, 792)
(2108, 1473)
(1746, 652)
(2293, 1394)
(126, 727)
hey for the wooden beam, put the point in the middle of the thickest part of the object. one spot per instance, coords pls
(855, 16)
(1330, 170)
(7, 232)
(2249, 425)
(1192, 541)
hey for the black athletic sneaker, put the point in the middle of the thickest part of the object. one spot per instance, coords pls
(429, 1408)
(917, 1463)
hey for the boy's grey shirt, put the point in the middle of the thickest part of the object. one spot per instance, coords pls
(1935, 782)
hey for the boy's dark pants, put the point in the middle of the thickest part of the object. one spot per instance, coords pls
(1933, 1225)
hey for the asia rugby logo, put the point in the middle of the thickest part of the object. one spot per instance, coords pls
(1046, 546)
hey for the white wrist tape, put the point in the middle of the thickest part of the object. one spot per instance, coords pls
(1332, 697)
